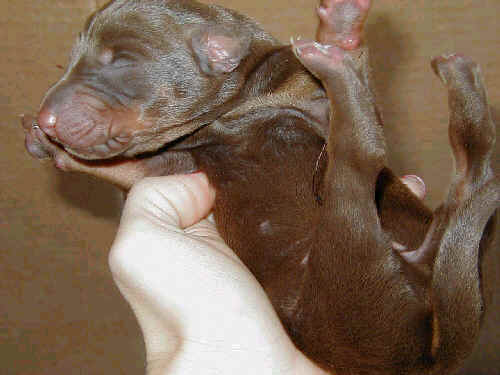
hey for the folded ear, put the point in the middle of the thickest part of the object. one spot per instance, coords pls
(218, 50)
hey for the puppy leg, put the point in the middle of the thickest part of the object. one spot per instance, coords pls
(359, 310)
(443, 334)
(401, 211)
(463, 226)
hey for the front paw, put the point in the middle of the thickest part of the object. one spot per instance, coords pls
(342, 22)
(331, 64)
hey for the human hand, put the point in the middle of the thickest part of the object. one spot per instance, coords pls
(200, 309)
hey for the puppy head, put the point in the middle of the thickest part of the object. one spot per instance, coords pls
(145, 73)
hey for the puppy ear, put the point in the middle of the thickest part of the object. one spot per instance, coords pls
(217, 50)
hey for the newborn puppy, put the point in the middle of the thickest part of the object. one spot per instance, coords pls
(365, 279)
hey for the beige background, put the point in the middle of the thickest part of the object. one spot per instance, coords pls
(59, 311)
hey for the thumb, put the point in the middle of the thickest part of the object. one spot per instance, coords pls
(176, 201)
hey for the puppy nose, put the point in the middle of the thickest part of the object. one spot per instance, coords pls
(47, 120)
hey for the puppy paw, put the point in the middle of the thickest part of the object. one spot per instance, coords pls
(342, 22)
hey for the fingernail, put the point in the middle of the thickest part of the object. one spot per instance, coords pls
(321, 10)
(416, 184)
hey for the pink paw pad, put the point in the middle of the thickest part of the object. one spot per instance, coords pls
(342, 22)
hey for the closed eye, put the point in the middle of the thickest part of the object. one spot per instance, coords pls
(117, 59)
(122, 60)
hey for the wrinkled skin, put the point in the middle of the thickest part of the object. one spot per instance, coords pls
(363, 276)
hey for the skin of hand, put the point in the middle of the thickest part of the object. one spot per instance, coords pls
(200, 309)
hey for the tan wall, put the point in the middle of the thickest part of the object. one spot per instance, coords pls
(59, 311)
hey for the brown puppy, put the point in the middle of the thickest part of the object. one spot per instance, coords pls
(159, 87)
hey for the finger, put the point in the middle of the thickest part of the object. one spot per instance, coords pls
(35, 147)
(178, 200)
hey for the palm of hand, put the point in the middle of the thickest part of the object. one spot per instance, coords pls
(200, 309)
